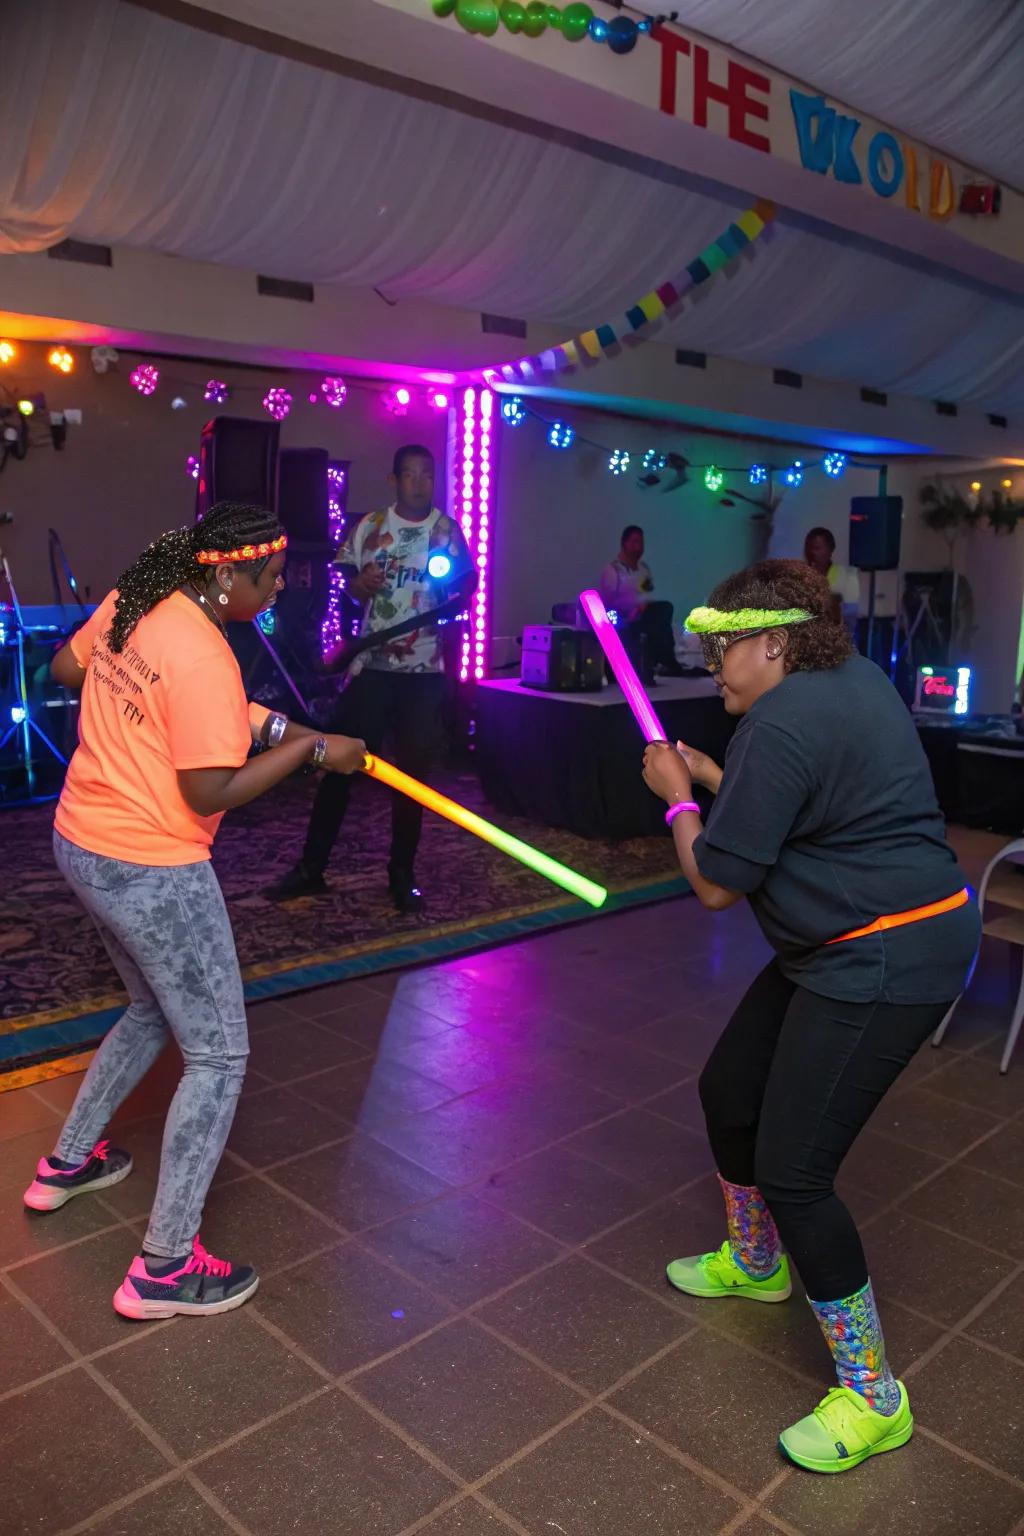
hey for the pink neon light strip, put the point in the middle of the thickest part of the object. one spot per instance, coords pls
(485, 482)
(622, 667)
(466, 480)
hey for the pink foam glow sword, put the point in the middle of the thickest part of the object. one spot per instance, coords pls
(622, 667)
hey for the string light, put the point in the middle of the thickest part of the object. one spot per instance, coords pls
(277, 403)
(192, 466)
(975, 486)
(179, 403)
(513, 411)
(560, 435)
(61, 359)
(8, 351)
(833, 464)
(758, 474)
(334, 390)
(397, 400)
(654, 462)
(619, 461)
(714, 479)
(1007, 485)
(26, 407)
(483, 535)
(437, 400)
(330, 629)
(794, 475)
(145, 378)
(217, 391)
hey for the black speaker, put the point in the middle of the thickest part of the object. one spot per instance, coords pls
(875, 523)
(559, 660)
(237, 462)
(302, 496)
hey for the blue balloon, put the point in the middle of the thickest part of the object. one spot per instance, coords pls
(622, 35)
(598, 29)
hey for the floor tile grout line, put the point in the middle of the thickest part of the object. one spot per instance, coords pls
(219, 1508)
(959, 1329)
(90, 1522)
(706, 1474)
(970, 1456)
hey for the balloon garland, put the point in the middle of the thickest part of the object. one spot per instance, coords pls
(532, 17)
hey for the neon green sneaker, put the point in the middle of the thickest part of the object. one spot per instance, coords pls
(718, 1274)
(843, 1431)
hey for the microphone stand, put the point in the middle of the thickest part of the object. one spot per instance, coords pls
(22, 725)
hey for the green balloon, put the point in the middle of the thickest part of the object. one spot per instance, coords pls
(443, 7)
(554, 17)
(513, 14)
(576, 19)
(479, 16)
(536, 19)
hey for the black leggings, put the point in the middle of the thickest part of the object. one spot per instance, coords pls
(786, 1091)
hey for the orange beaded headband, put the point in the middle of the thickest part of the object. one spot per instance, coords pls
(247, 552)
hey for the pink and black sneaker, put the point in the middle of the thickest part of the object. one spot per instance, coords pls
(192, 1287)
(54, 1184)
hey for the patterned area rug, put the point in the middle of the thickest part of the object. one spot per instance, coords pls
(59, 993)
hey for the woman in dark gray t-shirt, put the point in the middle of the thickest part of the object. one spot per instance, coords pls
(826, 820)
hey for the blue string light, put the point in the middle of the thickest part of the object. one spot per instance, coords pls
(619, 461)
(654, 462)
(833, 464)
(794, 475)
(513, 411)
(758, 474)
(561, 435)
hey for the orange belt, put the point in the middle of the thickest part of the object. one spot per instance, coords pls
(900, 919)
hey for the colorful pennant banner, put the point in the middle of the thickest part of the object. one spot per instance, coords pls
(594, 345)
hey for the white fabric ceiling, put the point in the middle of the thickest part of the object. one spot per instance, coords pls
(124, 127)
(946, 72)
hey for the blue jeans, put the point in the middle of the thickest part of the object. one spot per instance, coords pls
(168, 933)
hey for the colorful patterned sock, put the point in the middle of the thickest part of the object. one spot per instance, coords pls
(854, 1335)
(753, 1235)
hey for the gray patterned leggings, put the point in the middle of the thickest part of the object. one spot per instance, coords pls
(168, 933)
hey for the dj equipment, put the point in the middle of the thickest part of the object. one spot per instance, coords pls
(875, 524)
(559, 660)
(24, 740)
(238, 460)
(942, 691)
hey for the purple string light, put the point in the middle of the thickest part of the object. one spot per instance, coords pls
(334, 390)
(192, 466)
(145, 378)
(277, 403)
(217, 391)
(330, 629)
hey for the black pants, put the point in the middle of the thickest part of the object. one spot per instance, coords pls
(786, 1091)
(655, 624)
(400, 711)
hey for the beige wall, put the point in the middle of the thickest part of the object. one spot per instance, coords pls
(121, 479)
(560, 514)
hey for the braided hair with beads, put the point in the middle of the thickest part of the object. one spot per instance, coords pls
(171, 561)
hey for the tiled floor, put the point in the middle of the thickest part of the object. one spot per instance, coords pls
(461, 1187)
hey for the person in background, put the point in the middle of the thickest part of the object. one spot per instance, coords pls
(395, 691)
(626, 586)
(164, 737)
(843, 580)
(825, 819)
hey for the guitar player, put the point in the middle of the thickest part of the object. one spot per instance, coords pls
(394, 689)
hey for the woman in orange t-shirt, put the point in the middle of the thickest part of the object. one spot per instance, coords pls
(164, 738)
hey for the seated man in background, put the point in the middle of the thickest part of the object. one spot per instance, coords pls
(843, 580)
(626, 587)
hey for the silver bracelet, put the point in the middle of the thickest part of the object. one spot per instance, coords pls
(319, 752)
(278, 726)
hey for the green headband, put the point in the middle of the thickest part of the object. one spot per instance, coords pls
(717, 621)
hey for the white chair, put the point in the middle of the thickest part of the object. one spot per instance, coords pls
(1003, 888)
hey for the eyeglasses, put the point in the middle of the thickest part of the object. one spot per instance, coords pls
(714, 647)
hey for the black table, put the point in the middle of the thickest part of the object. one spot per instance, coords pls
(573, 760)
(978, 772)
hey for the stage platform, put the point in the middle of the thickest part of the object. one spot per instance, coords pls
(572, 760)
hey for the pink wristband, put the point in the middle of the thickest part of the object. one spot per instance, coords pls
(679, 807)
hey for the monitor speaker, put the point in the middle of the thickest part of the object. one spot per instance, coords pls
(875, 523)
(302, 496)
(302, 509)
(237, 462)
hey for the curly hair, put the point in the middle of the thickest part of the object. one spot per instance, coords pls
(818, 645)
(170, 561)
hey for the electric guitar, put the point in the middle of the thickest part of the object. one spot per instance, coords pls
(340, 659)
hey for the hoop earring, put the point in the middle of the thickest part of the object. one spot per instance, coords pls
(223, 598)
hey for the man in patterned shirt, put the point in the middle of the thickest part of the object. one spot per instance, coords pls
(395, 689)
